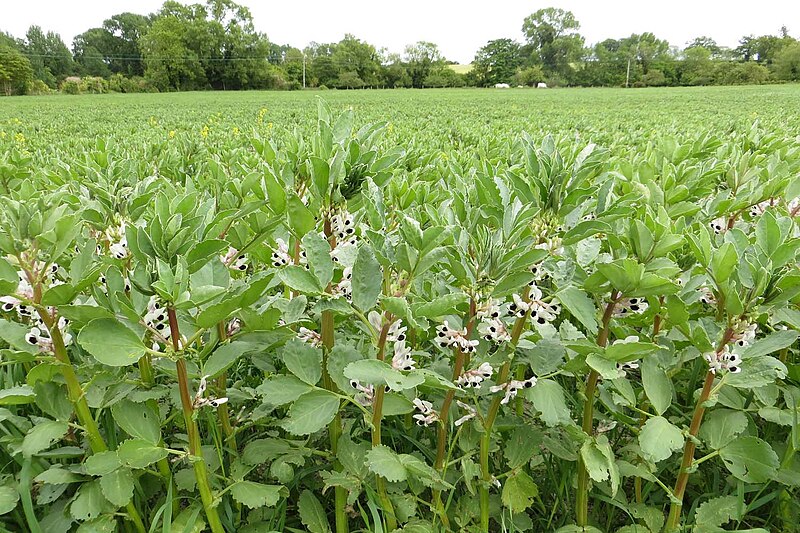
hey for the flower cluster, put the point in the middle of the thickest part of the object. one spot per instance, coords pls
(426, 415)
(200, 401)
(345, 286)
(396, 334)
(723, 360)
(39, 335)
(156, 318)
(23, 293)
(343, 227)
(745, 337)
(707, 296)
(310, 337)
(281, 256)
(630, 306)
(234, 260)
(365, 393)
(475, 377)
(511, 388)
(541, 312)
(117, 242)
(471, 413)
(718, 225)
(448, 337)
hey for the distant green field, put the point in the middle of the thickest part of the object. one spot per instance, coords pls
(612, 117)
(461, 69)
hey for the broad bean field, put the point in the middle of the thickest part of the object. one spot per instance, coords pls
(413, 311)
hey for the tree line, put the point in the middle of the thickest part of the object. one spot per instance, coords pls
(216, 46)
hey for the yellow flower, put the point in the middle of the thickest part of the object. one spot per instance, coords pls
(171, 134)
(235, 130)
(20, 138)
(2, 135)
(269, 125)
(205, 131)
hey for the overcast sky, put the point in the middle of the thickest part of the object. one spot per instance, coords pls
(459, 27)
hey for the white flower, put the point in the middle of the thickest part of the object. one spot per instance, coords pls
(280, 255)
(718, 225)
(707, 296)
(630, 306)
(471, 413)
(476, 376)
(427, 415)
(365, 394)
(345, 285)
(760, 208)
(793, 206)
(234, 260)
(552, 245)
(156, 317)
(623, 368)
(539, 274)
(541, 311)
(745, 337)
(511, 388)
(518, 307)
(39, 335)
(343, 227)
(211, 401)
(489, 310)
(402, 360)
(724, 360)
(494, 330)
(310, 337)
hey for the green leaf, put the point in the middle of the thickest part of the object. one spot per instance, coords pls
(118, 486)
(658, 439)
(57, 475)
(8, 499)
(657, 385)
(771, 343)
(280, 390)
(724, 262)
(42, 436)
(299, 279)
(89, 502)
(757, 372)
(750, 459)
(312, 514)
(580, 306)
(377, 372)
(138, 420)
(303, 360)
(102, 463)
(320, 175)
(255, 495)
(9, 280)
(547, 397)
(367, 279)
(599, 461)
(603, 366)
(224, 357)
(721, 426)
(318, 254)
(311, 412)
(622, 352)
(441, 306)
(519, 491)
(111, 343)
(301, 220)
(383, 461)
(521, 445)
(717, 511)
(19, 395)
(138, 453)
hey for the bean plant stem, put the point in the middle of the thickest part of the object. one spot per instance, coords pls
(491, 415)
(335, 427)
(377, 417)
(193, 432)
(222, 385)
(582, 494)
(689, 446)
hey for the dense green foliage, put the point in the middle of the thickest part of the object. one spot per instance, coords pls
(424, 311)
(215, 46)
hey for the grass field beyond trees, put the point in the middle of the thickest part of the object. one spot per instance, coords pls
(410, 311)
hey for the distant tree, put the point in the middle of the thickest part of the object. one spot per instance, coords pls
(421, 59)
(354, 55)
(350, 80)
(553, 36)
(15, 70)
(50, 58)
(529, 76)
(497, 61)
(705, 42)
(170, 62)
(787, 63)
(697, 66)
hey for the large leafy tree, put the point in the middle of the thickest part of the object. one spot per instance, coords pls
(15, 70)
(552, 34)
(497, 61)
(50, 58)
(422, 58)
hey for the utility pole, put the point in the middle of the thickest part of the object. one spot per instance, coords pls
(304, 69)
(628, 73)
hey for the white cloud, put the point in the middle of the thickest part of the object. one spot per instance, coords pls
(458, 27)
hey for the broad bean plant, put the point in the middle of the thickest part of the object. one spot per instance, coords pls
(329, 330)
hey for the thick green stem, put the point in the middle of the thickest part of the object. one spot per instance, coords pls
(674, 519)
(193, 432)
(488, 423)
(76, 396)
(582, 494)
(675, 508)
